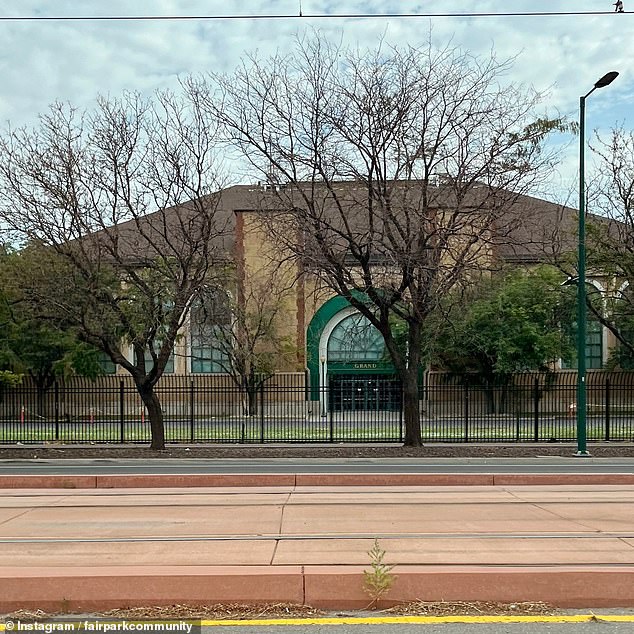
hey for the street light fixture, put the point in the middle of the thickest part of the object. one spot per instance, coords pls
(582, 449)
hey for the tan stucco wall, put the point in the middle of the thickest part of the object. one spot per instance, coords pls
(272, 283)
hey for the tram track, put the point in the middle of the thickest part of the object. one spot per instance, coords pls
(316, 536)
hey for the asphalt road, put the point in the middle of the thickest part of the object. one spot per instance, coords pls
(318, 465)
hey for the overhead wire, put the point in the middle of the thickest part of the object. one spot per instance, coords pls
(300, 16)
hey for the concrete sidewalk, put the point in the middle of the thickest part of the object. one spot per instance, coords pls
(86, 549)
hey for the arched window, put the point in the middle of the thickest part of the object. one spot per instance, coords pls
(622, 309)
(355, 339)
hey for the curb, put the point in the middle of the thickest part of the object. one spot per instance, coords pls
(309, 480)
(329, 587)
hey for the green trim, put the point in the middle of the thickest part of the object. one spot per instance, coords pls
(313, 334)
(362, 367)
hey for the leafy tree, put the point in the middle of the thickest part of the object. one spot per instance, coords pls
(117, 202)
(512, 322)
(32, 346)
(9, 378)
(389, 169)
(7, 375)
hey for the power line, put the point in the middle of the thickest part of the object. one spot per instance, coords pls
(305, 16)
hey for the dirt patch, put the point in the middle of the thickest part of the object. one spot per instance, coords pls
(469, 608)
(234, 611)
(29, 452)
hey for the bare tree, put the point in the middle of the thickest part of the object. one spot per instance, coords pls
(245, 330)
(610, 237)
(118, 201)
(393, 172)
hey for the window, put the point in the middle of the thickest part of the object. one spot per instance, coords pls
(594, 331)
(209, 319)
(106, 364)
(355, 339)
(169, 366)
(594, 346)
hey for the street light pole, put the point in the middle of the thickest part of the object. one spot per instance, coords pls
(582, 448)
(323, 387)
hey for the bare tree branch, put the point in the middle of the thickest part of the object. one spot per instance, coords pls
(393, 170)
(121, 197)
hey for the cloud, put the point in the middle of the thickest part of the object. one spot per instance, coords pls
(42, 62)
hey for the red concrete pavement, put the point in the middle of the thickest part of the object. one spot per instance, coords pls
(307, 542)
(133, 481)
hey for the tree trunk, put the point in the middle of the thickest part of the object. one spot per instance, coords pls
(407, 366)
(411, 408)
(155, 415)
(43, 384)
(504, 394)
(252, 397)
(250, 387)
(411, 396)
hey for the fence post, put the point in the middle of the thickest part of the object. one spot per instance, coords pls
(466, 412)
(536, 409)
(607, 409)
(331, 422)
(400, 413)
(121, 412)
(261, 412)
(191, 410)
(56, 399)
(517, 424)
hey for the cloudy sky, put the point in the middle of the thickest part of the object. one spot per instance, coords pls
(42, 61)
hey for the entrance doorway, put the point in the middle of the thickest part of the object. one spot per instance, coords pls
(364, 392)
(348, 362)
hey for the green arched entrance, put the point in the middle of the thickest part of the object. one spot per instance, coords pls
(346, 353)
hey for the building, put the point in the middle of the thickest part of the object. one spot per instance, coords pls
(323, 336)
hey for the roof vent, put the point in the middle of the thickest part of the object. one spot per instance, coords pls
(440, 178)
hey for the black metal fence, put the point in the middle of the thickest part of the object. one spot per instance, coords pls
(532, 408)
